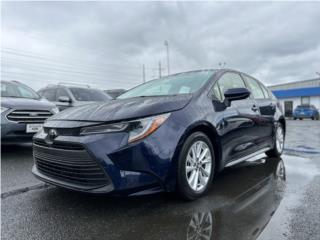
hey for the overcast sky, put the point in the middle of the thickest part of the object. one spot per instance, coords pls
(106, 43)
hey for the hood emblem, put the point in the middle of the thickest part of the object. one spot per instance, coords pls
(53, 133)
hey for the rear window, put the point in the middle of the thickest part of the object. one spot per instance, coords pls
(88, 95)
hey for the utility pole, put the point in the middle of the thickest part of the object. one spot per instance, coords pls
(143, 73)
(159, 69)
(166, 43)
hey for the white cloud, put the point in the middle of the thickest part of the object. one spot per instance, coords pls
(106, 43)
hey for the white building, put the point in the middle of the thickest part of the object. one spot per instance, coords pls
(297, 93)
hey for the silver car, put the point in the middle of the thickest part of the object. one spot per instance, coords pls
(23, 112)
(65, 96)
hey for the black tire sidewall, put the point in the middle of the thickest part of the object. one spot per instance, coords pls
(183, 187)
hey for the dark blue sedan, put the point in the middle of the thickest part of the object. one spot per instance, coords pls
(306, 111)
(169, 134)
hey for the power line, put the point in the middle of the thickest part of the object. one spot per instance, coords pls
(59, 58)
(49, 79)
(25, 65)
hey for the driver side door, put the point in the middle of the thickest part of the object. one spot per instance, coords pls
(239, 124)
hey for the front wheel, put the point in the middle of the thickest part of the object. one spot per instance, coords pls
(195, 167)
(277, 149)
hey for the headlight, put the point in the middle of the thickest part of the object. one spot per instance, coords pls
(3, 109)
(137, 129)
(55, 110)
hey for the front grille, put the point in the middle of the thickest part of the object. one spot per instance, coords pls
(29, 116)
(73, 167)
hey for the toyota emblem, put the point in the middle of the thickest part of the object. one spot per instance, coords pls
(53, 133)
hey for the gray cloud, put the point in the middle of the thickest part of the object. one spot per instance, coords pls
(106, 43)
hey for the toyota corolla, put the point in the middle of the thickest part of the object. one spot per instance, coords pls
(171, 134)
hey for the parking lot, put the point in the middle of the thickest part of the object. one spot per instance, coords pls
(266, 198)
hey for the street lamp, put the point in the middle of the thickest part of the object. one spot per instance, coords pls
(166, 43)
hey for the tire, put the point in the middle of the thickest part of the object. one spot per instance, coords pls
(188, 189)
(294, 118)
(300, 118)
(277, 149)
(312, 118)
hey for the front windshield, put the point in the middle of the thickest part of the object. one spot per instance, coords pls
(87, 94)
(177, 84)
(15, 90)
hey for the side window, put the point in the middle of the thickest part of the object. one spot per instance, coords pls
(62, 93)
(254, 86)
(230, 80)
(265, 91)
(216, 92)
(50, 94)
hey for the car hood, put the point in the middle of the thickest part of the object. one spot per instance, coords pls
(124, 109)
(26, 103)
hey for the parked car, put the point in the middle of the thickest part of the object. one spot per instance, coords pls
(114, 93)
(69, 96)
(22, 112)
(306, 111)
(171, 134)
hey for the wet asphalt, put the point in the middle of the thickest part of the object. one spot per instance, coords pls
(265, 199)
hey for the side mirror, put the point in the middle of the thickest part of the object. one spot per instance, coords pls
(64, 99)
(234, 94)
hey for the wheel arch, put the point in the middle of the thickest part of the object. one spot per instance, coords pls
(283, 122)
(209, 130)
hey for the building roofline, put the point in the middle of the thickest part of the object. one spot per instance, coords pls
(300, 81)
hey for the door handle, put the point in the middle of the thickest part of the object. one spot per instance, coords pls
(254, 108)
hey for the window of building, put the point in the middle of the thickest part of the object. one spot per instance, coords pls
(305, 100)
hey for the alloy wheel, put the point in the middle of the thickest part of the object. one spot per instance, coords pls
(279, 139)
(198, 166)
(200, 226)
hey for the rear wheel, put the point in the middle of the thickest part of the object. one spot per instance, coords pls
(195, 167)
(278, 142)
(294, 118)
(300, 118)
(312, 118)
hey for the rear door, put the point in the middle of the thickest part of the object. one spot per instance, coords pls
(239, 131)
(267, 109)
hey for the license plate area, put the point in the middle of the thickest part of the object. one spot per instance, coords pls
(33, 128)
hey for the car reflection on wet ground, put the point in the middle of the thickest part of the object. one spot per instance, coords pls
(239, 206)
(266, 199)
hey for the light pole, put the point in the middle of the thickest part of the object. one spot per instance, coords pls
(166, 43)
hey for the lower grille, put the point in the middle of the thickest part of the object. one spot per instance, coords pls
(70, 166)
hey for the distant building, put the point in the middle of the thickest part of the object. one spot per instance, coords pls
(297, 93)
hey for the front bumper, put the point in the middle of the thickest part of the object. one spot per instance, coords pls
(299, 115)
(145, 166)
(14, 132)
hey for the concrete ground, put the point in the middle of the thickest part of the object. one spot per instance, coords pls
(265, 199)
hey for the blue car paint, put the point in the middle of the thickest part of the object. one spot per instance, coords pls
(149, 165)
(305, 112)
